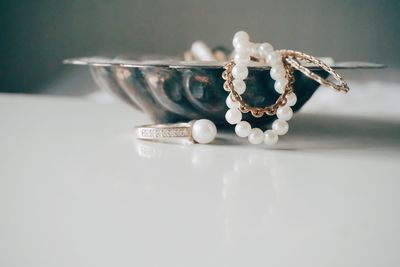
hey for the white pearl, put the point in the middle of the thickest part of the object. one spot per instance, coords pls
(264, 49)
(281, 127)
(233, 116)
(239, 86)
(273, 58)
(240, 38)
(256, 136)
(277, 72)
(242, 58)
(242, 129)
(240, 72)
(278, 64)
(202, 52)
(204, 131)
(230, 103)
(243, 48)
(270, 137)
(280, 85)
(284, 113)
(291, 99)
(254, 49)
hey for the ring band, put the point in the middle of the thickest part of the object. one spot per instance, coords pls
(169, 133)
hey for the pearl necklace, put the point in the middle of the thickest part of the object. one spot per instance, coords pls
(244, 51)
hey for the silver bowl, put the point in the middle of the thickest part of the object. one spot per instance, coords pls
(170, 90)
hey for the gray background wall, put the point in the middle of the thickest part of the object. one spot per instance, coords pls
(37, 35)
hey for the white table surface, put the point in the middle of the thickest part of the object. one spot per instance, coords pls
(76, 189)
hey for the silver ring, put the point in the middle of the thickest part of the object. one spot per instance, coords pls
(177, 133)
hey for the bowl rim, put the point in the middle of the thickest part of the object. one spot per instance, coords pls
(179, 64)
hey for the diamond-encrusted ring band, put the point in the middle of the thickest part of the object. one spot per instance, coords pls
(169, 133)
(196, 131)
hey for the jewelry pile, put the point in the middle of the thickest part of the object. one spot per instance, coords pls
(282, 65)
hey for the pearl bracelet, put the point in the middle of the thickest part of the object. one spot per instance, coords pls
(244, 51)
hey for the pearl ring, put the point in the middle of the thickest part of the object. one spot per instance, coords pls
(197, 131)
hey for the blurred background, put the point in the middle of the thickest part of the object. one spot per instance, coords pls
(37, 35)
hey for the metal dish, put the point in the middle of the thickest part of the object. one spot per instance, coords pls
(170, 90)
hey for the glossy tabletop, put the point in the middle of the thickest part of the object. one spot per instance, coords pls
(76, 189)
